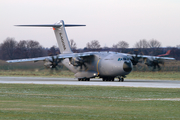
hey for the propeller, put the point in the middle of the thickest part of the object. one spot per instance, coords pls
(135, 59)
(155, 63)
(53, 63)
(78, 62)
(81, 63)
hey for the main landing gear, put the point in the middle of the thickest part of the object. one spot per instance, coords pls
(108, 78)
(121, 78)
(83, 79)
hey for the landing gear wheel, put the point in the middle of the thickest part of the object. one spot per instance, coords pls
(121, 79)
(83, 79)
(104, 79)
(108, 78)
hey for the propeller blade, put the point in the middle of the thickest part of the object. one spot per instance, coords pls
(135, 59)
(154, 67)
(56, 69)
(159, 68)
(53, 63)
(155, 62)
(78, 62)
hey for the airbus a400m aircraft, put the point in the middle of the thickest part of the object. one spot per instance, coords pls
(105, 65)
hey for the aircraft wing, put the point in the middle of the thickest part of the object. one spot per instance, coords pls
(157, 57)
(29, 59)
(60, 56)
(150, 57)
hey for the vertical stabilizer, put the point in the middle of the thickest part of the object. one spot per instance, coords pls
(60, 32)
(62, 38)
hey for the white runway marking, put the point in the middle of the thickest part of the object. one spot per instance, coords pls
(97, 82)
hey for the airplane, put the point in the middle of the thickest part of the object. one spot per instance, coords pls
(87, 65)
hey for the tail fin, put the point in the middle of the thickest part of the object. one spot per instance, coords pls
(165, 55)
(62, 38)
(60, 32)
(168, 52)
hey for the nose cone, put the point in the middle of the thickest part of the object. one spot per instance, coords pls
(127, 66)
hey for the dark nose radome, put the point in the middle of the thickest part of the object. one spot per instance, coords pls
(127, 67)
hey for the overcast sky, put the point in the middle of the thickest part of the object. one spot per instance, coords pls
(108, 21)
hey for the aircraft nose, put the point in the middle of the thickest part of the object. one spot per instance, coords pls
(127, 66)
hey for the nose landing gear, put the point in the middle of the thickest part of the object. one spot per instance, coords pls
(121, 79)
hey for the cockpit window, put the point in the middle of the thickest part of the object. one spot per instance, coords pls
(124, 59)
(119, 59)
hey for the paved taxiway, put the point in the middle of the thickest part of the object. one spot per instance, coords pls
(72, 81)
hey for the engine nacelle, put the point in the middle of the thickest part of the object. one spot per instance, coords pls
(150, 62)
(52, 63)
(47, 64)
(74, 61)
(154, 63)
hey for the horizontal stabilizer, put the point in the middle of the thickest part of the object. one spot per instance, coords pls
(50, 25)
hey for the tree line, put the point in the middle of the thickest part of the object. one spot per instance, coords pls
(153, 43)
(11, 49)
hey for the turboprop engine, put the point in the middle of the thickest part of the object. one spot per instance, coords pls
(52, 63)
(154, 63)
(77, 61)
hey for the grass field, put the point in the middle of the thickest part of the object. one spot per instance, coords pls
(29, 101)
(37, 73)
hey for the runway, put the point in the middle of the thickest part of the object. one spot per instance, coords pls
(97, 82)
